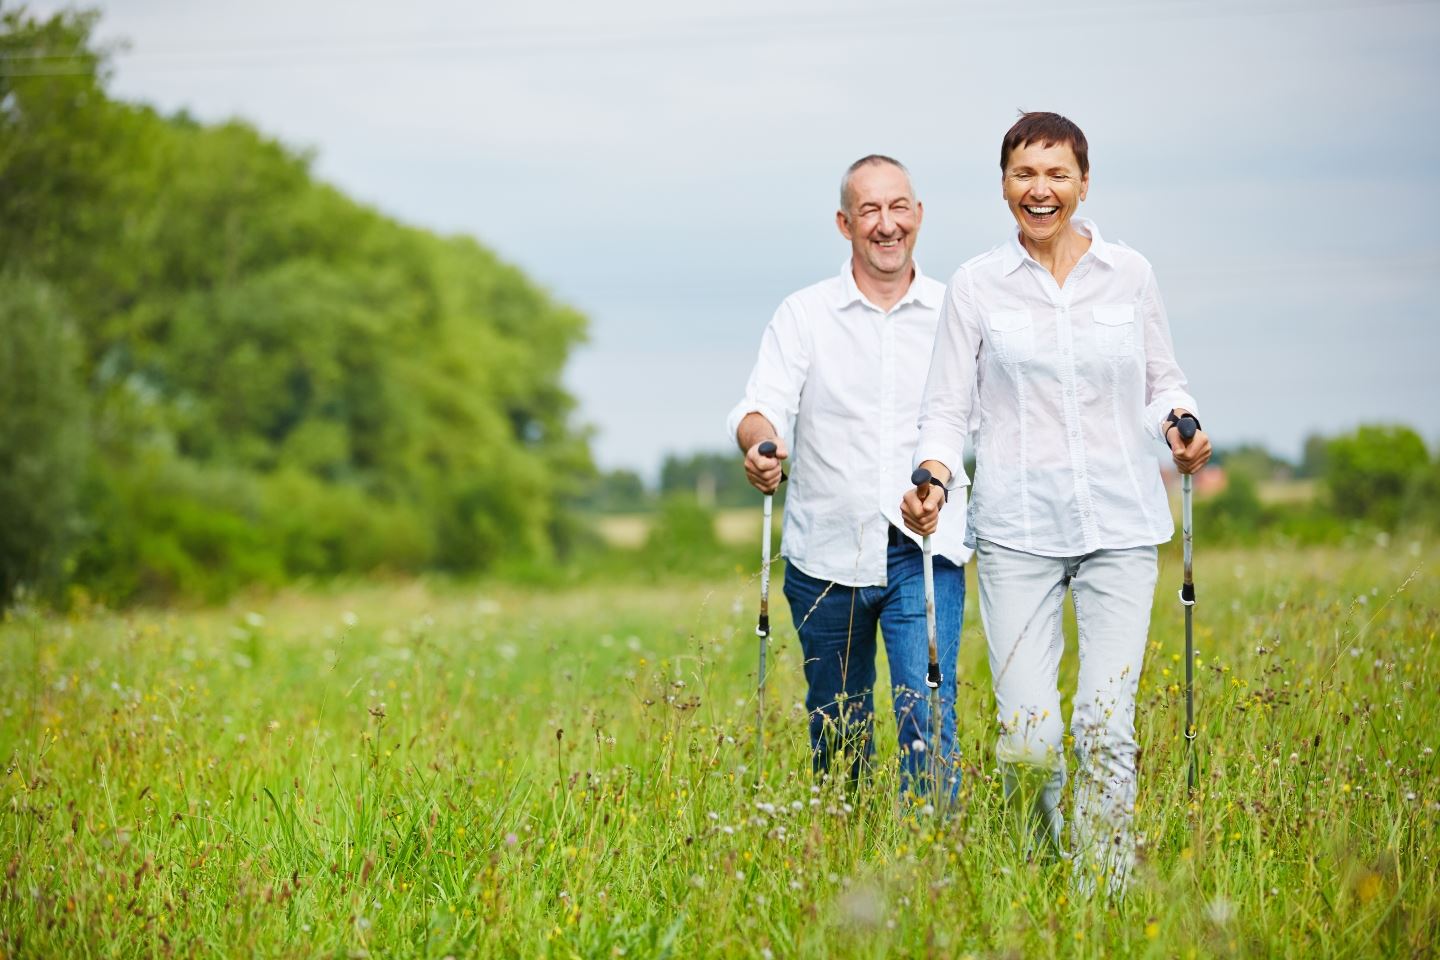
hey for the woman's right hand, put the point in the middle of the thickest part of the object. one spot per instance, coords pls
(920, 507)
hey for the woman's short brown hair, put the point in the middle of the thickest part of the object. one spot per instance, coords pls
(1047, 129)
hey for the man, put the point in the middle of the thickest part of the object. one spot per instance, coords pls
(1078, 396)
(838, 384)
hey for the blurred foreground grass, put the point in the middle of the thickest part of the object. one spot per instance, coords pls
(434, 769)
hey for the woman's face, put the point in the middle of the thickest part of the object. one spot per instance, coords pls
(1043, 186)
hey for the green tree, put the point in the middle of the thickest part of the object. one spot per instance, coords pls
(282, 361)
(718, 478)
(1370, 471)
(42, 437)
(616, 491)
(1255, 462)
(1316, 456)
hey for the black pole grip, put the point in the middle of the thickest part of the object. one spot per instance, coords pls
(920, 477)
(933, 678)
(767, 449)
(1187, 427)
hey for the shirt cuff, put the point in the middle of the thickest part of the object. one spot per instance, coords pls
(950, 456)
(745, 407)
(1160, 408)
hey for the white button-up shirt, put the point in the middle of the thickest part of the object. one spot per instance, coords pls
(1073, 383)
(840, 380)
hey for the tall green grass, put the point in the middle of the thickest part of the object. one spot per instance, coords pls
(438, 770)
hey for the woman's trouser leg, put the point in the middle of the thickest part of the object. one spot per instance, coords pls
(1020, 603)
(1113, 592)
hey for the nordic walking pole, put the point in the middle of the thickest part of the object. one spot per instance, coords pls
(762, 628)
(1187, 427)
(921, 479)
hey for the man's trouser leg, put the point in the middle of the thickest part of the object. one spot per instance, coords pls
(907, 649)
(837, 639)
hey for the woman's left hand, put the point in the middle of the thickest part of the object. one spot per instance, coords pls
(1189, 457)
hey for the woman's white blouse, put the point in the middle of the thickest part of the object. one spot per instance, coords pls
(1073, 383)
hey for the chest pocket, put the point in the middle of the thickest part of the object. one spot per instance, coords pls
(1013, 334)
(1115, 330)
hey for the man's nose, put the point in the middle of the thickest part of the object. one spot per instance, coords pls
(887, 222)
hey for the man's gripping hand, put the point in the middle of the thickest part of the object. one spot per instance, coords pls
(764, 473)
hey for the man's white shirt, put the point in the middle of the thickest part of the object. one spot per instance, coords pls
(841, 381)
(1066, 388)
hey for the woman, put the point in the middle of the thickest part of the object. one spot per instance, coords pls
(1060, 339)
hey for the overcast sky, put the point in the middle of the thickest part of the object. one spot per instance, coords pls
(672, 169)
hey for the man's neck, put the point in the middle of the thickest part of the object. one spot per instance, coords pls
(883, 291)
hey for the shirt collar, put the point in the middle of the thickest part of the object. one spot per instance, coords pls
(1016, 254)
(919, 291)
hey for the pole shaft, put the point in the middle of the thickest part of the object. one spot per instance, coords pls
(762, 630)
(933, 678)
(1187, 597)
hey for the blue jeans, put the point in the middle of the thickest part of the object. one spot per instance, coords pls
(837, 638)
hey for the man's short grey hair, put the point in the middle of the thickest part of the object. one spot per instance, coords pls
(870, 160)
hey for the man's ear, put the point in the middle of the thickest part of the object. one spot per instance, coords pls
(842, 223)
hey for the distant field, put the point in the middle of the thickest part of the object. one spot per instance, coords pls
(400, 770)
(732, 526)
(742, 525)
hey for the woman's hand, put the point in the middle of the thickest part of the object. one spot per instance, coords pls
(1189, 457)
(920, 507)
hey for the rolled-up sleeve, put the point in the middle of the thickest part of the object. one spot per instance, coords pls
(773, 390)
(1165, 386)
(950, 388)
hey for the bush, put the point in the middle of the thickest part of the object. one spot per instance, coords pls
(683, 534)
(1236, 512)
(1371, 470)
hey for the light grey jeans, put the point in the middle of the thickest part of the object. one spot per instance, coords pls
(1021, 597)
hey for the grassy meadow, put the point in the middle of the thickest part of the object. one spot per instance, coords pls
(435, 769)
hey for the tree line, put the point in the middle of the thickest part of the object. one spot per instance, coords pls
(217, 370)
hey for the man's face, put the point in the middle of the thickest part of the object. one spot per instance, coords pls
(882, 220)
(1043, 187)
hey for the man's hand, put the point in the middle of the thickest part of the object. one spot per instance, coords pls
(920, 507)
(1189, 457)
(764, 472)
